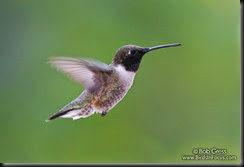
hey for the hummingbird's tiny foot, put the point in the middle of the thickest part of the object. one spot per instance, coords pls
(103, 113)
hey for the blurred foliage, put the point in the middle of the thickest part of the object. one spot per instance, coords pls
(183, 97)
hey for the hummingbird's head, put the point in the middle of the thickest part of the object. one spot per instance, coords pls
(130, 56)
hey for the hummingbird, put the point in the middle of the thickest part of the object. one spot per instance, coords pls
(105, 85)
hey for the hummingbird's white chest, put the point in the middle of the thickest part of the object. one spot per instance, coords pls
(126, 77)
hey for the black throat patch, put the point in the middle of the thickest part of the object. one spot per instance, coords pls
(131, 67)
(132, 63)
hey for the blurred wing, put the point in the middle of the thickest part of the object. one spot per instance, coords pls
(88, 72)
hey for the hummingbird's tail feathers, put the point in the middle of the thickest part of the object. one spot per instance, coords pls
(57, 114)
(73, 113)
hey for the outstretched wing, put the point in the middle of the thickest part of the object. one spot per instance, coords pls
(88, 72)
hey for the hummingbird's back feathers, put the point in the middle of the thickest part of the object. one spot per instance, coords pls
(88, 72)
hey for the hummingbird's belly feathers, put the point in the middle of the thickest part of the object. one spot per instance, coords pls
(115, 89)
(108, 99)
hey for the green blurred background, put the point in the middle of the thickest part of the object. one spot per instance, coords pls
(183, 97)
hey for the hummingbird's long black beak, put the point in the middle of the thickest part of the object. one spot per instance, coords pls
(160, 46)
